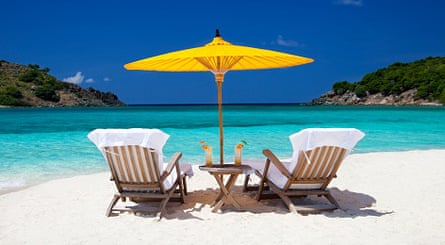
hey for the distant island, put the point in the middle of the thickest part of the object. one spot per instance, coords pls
(420, 82)
(31, 86)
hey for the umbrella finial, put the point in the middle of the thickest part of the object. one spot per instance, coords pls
(217, 33)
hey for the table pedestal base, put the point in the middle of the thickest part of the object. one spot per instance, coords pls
(225, 190)
(225, 193)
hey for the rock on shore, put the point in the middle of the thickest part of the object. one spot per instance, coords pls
(350, 98)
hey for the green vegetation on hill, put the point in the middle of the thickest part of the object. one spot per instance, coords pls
(33, 86)
(427, 76)
(13, 82)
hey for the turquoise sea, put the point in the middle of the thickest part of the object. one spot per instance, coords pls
(40, 144)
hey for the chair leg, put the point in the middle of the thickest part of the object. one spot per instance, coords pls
(163, 210)
(283, 197)
(184, 184)
(246, 182)
(165, 201)
(112, 203)
(288, 203)
(182, 192)
(332, 200)
(260, 189)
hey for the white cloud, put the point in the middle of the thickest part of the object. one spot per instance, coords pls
(76, 79)
(286, 43)
(107, 79)
(357, 3)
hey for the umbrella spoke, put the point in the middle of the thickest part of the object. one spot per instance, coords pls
(219, 63)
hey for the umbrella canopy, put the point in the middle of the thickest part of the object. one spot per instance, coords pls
(218, 57)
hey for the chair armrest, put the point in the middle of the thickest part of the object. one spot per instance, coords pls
(174, 162)
(280, 166)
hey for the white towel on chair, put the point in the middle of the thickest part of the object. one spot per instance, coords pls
(310, 138)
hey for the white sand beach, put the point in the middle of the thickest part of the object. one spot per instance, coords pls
(386, 198)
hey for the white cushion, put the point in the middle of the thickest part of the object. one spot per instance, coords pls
(273, 174)
(185, 168)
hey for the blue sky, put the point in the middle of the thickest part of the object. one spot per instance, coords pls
(88, 42)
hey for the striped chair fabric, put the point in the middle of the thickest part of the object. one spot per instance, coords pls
(137, 174)
(134, 166)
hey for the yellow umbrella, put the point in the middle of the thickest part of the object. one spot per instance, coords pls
(218, 57)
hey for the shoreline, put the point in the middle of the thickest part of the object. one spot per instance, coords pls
(7, 190)
(386, 198)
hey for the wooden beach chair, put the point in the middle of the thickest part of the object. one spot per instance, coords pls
(138, 175)
(150, 138)
(311, 176)
(318, 154)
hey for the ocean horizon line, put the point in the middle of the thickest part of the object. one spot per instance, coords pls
(215, 104)
(302, 105)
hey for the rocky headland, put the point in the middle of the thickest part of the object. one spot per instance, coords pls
(420, 83)
(31, 86)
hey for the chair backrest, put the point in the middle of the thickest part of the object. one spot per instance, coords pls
(316, 168)
(134, 167)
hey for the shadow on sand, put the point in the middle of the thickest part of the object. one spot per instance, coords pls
(198, 202)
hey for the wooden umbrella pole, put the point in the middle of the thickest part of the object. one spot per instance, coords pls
(219, 80)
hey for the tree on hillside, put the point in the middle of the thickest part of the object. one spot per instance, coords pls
(426, 75)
